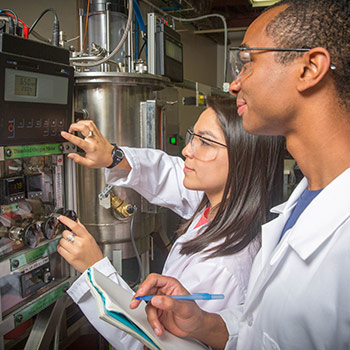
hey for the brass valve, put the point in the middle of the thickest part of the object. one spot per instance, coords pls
(122, 208)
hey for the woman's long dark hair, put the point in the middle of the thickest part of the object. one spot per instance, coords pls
(253, 186)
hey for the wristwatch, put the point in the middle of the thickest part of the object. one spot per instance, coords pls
(117, 155)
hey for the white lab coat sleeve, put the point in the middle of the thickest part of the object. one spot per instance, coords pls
(81, 295)
(157, 177)
(232, 319)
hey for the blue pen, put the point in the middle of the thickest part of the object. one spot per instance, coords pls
(194, 296)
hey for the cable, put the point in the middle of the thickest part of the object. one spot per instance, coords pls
(25, 27)
(55, 29)
(40, 37)
(142, 47)
(11, 12)
(225, 33)
(117, 48)
(86, 23)
(12, 26)
(132, 236)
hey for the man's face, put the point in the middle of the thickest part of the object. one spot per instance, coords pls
(265, 96)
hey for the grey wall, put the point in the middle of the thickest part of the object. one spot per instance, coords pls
(200, 57)
(29, 10)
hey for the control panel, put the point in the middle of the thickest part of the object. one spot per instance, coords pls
(34, 280)
(35, 94)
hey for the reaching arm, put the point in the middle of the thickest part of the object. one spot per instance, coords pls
(182, 318)
(98, 151)
(152, 173)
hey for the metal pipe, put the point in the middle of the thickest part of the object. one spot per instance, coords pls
(93, 59)
(108, 19)
(81, 33)
(85, 59)
(130, 52)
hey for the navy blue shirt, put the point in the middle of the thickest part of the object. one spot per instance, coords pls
(304, 200)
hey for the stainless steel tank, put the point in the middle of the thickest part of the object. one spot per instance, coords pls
(113, 103)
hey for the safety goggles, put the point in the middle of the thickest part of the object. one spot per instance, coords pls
(240, 58)
(203, 148)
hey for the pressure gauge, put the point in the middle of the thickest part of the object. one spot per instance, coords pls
(31, 235)
(71, 214)
(50, 227)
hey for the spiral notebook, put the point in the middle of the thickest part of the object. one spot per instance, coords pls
(113, 307)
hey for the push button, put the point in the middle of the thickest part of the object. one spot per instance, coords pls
(20, 123)
(11, 128)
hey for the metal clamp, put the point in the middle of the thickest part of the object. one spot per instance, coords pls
(105, 192)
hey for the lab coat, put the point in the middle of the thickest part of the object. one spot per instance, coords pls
(299, 290)
(159, 178)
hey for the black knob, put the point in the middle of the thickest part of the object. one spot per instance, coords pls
(71, 214)
(19, 318)
(50, 227)
(31, 235)
(15, 263)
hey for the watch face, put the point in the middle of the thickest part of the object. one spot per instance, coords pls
(119, 153)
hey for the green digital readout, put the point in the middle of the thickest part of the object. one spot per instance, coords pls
(25, 85)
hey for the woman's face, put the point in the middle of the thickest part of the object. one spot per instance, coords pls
(206, 163)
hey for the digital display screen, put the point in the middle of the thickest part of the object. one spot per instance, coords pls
(25, 85)
(173, 51)
(15, 186)
(34, 183)
(34, 279)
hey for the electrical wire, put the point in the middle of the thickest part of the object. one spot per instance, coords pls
(118, 47)
(11, 12)
(132, 236)
(40, 37)
(142, 47)
(25, 27)
(12, 26)
(55, 29)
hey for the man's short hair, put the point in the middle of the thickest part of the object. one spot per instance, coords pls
(316, 23)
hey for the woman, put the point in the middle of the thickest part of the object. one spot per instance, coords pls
(223, 188)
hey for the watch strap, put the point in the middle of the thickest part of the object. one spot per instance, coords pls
(117, 155)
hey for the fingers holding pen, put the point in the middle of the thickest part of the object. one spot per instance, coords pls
(164, 312)
(158, 284)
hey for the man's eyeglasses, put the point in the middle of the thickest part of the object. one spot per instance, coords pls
(201, 146)
(241, 63)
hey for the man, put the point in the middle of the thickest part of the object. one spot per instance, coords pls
(299, 291)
